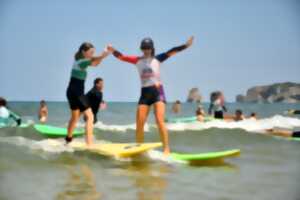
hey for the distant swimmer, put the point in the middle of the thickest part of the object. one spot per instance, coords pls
(6, 115)
(217, 105)
(293, 112)
(200, 114)
(176, 108)
(95, 97)
(253, 116)
(43, 112)
(78, 101)
(152, 90)
(239, 116)
(283, 133)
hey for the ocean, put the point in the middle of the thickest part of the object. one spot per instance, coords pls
(268, 167)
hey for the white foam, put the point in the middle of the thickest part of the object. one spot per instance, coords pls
(47, 145)
(158, 155)
(248, 124)
(115, 128)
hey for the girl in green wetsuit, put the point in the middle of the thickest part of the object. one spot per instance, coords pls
(78, 102)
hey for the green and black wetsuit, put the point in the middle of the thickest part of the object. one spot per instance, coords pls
(75, 91)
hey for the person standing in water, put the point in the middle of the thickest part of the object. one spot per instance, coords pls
(78, 102)
(176, 108)
(152, 92)
(283, 133)
(293, 112)
(95, 97)
(6, 115)
(43, 112)
(253, 116)
(200, 114)
(217, 104)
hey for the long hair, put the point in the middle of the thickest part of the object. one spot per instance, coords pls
(83, 47)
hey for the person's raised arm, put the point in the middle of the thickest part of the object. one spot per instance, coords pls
(120, 56)
(15, 117)
(97, 60)
(164, 56)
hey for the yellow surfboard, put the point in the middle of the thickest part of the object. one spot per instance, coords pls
(121, 150)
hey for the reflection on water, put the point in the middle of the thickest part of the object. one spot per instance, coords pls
(149, 179)
(80, 185)
(213, 163)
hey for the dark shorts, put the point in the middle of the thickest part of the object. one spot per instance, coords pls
(219, 115)
(151, 95)
(75, 95)
(296, 134)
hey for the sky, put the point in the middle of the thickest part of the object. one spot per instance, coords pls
(238, 44)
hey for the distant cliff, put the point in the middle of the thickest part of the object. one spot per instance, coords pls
(194, 95)
(287, 92)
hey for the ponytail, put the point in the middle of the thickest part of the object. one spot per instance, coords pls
(78, 55)
(83, 47)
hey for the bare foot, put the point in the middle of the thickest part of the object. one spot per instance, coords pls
(89, 144)
(166, 152)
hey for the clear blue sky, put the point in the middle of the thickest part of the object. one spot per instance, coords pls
(238, 44)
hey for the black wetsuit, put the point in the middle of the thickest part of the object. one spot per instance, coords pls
(218, 113)
(95, 97)
(296, 112)
(296, 134)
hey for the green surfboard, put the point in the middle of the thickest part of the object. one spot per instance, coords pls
(187, 119)
(295, 138)
(206, 158)
(23, 125)
(53, 131)
(286, 138)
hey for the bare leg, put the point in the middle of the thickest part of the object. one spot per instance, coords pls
(283, 133)
(89, 126)
(141, 117)
(75, 114)
(159, 109)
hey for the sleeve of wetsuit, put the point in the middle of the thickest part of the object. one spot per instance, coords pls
(210, 109)
(129, 59)
(164, 56)
(15, 117)
(99, 96)
(83, 64)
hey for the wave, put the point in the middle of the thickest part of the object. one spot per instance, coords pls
(251, 125)
(159, 156)
(115, 128)
(47, 145)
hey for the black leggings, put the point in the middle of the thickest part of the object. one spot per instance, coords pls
(219, 115)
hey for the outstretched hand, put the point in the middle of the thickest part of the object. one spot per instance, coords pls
(190, 41)
(110, 48)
